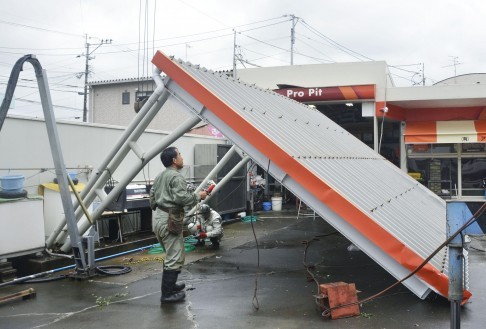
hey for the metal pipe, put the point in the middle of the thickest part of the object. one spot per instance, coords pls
(228, 176)
(81, 203)
(131, 173)
(219, 185)
(59, 255)
(217, 168)
(115, 157)
(455, 221)
(58, 159)
(41, 274)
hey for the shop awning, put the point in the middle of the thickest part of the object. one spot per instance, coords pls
(437, 132)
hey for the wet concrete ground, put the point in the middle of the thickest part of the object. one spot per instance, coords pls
(221, 287)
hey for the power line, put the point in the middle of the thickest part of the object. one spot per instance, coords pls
(35, 87)
(336, 44)
(39, 28)
(129, 50)
(320, 52)
(286, 50)
(58, 106)
(50, 83)
(20, 48)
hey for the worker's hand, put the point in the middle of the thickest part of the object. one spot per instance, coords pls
(202, 235)
(203, 195)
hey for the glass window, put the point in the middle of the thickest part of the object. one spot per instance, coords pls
(126, 97)
(436, 166)
(418, 148)
(444, 148)
(473, 176)
(473, 147)
(439, 175)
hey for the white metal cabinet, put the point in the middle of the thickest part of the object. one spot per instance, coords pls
(21, 227)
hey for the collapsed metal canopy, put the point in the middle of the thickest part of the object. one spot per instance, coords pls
(378, 207)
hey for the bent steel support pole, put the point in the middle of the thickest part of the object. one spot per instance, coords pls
(224, 160)
(83, 225)
(60, 167)
(220, 184)
(116, 156)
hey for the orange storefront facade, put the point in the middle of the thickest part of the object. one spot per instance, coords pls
(436, 133)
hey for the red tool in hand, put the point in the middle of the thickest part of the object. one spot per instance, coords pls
(210, 186)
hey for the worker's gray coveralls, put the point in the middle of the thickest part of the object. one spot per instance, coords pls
(170, 191)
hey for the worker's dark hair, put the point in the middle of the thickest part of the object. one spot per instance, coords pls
(167, 155)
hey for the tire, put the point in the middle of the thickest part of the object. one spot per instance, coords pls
(13, 195)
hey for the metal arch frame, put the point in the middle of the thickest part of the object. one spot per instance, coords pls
(84, 265)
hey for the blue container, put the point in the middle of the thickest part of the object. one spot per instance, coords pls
(267, 206)
(12, 183)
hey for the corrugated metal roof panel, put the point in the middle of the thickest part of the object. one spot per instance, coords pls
(390, 216)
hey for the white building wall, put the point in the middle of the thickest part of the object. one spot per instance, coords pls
(106, 106)
(24, 149)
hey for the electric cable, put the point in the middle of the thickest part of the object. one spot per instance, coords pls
(255, 302)
(113, 269)
(385, 110)
(471, 220)
(236, 188)
(309, 267)
(103, 269)
(335, 44)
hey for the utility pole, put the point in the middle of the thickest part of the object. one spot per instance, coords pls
(187, 47)
(86, 71)
(423, 74)
(234, 56)
(295, 20)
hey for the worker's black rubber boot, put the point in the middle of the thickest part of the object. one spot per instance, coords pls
(214, 244)
(169, 279)
(179, 286)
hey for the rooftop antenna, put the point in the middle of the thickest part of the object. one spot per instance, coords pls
(455, 63)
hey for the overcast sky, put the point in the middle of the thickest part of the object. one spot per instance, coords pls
(406, 34)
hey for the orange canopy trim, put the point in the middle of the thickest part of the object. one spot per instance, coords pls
(431, 132)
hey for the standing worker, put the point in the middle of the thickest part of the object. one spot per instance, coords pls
(168, 197)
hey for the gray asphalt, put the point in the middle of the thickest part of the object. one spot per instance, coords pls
(227, 288)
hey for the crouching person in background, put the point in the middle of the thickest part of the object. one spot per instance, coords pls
(207, 225)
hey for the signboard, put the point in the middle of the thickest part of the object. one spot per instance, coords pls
(315, 94)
